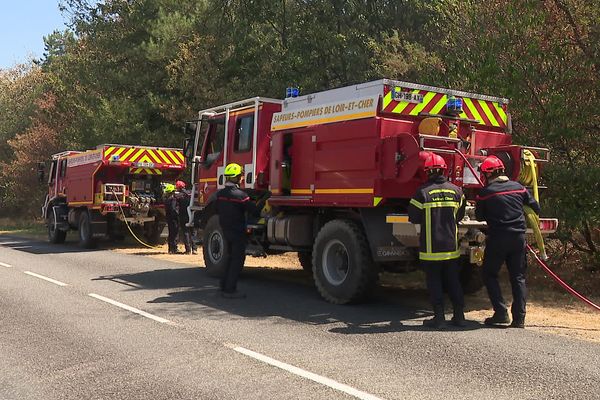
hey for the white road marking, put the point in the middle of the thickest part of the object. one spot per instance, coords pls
(5, 265)
(59, 283)
(129, 308)
(305, 374)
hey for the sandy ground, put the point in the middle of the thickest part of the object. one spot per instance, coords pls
(548, 310)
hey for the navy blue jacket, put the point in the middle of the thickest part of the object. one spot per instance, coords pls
(232, 206)
(437, 205)
(500, 204)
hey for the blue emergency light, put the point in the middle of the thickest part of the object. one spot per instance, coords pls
(454, 105)
(292, 92)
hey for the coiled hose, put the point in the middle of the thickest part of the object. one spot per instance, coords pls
(529, 177)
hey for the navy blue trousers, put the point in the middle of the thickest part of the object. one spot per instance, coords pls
(506, 248)
(438, 272)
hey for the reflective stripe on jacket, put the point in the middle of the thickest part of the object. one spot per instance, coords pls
(437, 206)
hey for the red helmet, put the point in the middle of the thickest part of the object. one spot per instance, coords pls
(491, 164)
(434, 161)
(180, 185)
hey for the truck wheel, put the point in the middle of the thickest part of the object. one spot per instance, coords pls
(85, 231)
(214, 248)
(305, 258)
(55, 235)
(470, 276)
(344, 271)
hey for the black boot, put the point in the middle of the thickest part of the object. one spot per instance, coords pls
(458, 318)
(497, 319)
(518, 322)
(438, 320)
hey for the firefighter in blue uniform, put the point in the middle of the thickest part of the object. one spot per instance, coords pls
(232, 206)
(437, 206)
(172, 216)
(500, 204)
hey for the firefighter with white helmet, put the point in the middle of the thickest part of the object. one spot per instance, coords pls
(437, 206)
(232, 206)
(500, 204)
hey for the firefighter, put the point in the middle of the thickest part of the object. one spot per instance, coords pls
(437, 206)
(232, 206)
(500, 204)
(172, 215)
(183, 201)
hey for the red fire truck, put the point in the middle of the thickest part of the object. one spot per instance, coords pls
(97, 191)
(340, 167)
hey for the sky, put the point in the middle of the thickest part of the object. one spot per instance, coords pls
(23, 25)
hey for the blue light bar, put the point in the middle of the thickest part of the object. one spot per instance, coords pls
(454, 105)
(292, 92)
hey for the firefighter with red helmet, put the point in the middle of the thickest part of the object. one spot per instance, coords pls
(437, 206)
(500, 203)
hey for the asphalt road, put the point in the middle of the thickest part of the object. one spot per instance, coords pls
(115, 326)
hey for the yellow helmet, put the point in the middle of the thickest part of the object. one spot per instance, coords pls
(168, 188)
(232, 170)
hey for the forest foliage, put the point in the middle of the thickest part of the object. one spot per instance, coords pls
(133, 71)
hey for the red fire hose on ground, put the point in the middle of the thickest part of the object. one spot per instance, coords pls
(561, 282)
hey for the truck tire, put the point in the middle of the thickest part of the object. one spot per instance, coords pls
(305, 258)
(86, 239)
(214, 248)
(470, 276)
(344, 271)
(55, 235)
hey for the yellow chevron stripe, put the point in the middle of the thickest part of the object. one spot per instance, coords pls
(402, 105)
(488, 112)
(440, 104)
(469, 103)
(426, 99)
(153, 155)
(170, 154)
(107, 151)
(501, 113)
(164, 158)
(119, 151)
(139, 153)
(157, 171)
(124, 158)
(181, 157)
(145, 159)
(387, 99)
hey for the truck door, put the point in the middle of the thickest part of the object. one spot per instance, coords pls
(241, 144)
(275, 169)
(211, 167)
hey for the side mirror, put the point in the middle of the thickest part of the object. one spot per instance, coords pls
(187, 148)
(41, 169)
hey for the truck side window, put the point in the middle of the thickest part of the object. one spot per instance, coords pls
(214, 146)
(63, 167)
(52, 173)
(244, 130)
